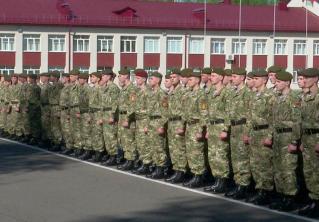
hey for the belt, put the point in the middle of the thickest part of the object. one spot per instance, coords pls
(283, 130)
(311, 131)
(155, 117)
(123, 112)
(175, 118)
(107, 109)
(193, 121)
(238, 122)
(260, 127)
(216, 121)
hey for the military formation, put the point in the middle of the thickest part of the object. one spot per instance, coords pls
(220, 129)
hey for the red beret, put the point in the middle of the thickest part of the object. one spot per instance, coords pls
(140, 73)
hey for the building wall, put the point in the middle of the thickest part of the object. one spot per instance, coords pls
(163, 60)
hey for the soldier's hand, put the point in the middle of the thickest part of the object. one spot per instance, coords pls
(223, 136)
(99, 122)
(78, 115)
(267, 142)
(180, 131)
(301, 148)
(17, 109)
(199, 136)
(246, 139)
(145, 130)
(206, 135)
(125, 124)
(292, 148)
(111, 121)
(161, 131)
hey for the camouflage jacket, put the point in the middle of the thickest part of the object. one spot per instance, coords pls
(54, 92)
(141, 103)
(109, 100)
(157, 105)
(65, 96)
(310, 111)
(44, 94)
(126, 102)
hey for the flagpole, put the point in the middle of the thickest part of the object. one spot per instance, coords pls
(239, 33)
(274, 30)
(205, 23)
(306, 35)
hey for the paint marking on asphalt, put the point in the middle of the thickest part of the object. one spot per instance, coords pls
(165, 183)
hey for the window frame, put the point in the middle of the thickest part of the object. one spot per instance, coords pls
(109, 43)
(128, 42)
(174, 39)
(61, 43)
(10, 42)
(262, 43)
(154, 40)
(221, 45)
(238, 42)
(27, 38)
(85, 39)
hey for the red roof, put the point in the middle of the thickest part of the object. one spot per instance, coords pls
(157, 15)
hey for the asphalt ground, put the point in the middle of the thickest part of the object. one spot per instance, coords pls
(40, 186)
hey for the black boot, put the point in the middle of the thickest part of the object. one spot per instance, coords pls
(195, 182)
(142, 170)
(262, 197)
(78, 152)
(285, 203)
(111, 161)
(86, 155)
(242, 192)
(128, 166)
(177, 177)
(157, 174)
(310, 210)
(98, 156)
(220, 186)
(67, 152)
(105, 158)
(232, 192)
(120, 156)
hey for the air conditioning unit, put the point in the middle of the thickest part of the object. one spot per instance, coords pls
(230, 58)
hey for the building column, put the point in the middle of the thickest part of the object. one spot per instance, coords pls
(19, 52)
(93, 53)
(309, 52)
(270, 45)
(185, 44)
(228, 51)
(163, 54)
(207, 51)
(290, 53)
(69, 51)
(249, 54)
(117, 52)
(44, 47)
(140, 51)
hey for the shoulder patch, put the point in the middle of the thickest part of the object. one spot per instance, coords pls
(133, 97)
(165, 102)
(203, 104)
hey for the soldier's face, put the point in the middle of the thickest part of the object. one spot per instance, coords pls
(281, 85)
(168, 83)
(123, 79)
(227, 80)
(309, 82)
(22, 80)
(7, 83)
(193, 81)
(184, 80)
(300, 81)
(272, 77)
(14, 80)
(82, 81)
(250, 82)
(65, 79)
(237, 79)
(106, 78)
(94, 79)
(140, 80)
(205, 78)
(215, 78)
(175, 79)
(31, 81)
(44, 79)
(73, 78)
(154, 81)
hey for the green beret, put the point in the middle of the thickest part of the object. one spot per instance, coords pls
(261, 73)
(75, 72)
(45, 74)
(251, 74)
(228, 72)
(310, 72)
(206, 70)
(32, 76)
(239, 71)
(284, 76)
(83, 76)
(167, 76)
(7, 78)
(55, 74)
(156, 74)
(107, 71)
(124, 72)
(23, 75)
(219, 71)
(186, 72)
(96, 74)
(274, 69)
(195, 73)
(65, 75)
(176, 71)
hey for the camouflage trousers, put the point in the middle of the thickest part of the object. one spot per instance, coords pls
(285, 164)
(261, 160)
(86, 131)
(55, 131)
(142, 144)
(239, 156)
(35, 121)
(218, 152)
(194, 149)
(45, 122)
(311, 165)
(127, 140)
(75, 126)
(3, 116)
(12, 122)
(97, 140)
(157, 143)
(25, 122)
(177, 147)
(66, 128)
(109, 134)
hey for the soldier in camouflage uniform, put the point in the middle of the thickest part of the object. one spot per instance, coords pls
(55, 111)
(110, 116)
(65, 112)
(126, 131)
(157, 104)
(2, 93)
(286, 123)
(259, 139)
(238, 101)
(272, 70)
(218, 149)
(195, 109)
(45, 110)
(4, 104)
(309, 141)
(14, 106)
(175, 131)
(141, 120)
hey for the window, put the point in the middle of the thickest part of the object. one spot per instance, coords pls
(31, 70)
(151, 45)
(218, 46)
(101, 68)
(82, 69)
(56, 43)
(81, 43)
(31, 43)
(174, 45)
(6, 42)
(104, 43)
(56, 69)
(259, 46)
(150, 69)
(300, 47)
(6, 70)
(239, 46)
(128, 44)
(196, 45)
(316, 47)
(280, 47)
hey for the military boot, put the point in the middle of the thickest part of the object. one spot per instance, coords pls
(111, 161)
(78, 152)
(98, 156)
(178, 177)
(195, 182)
(262, 197)
(158, 173)
(86, 155)
(310, 210)
(285, 203)
(142, 170)
(67, 151)
(128, 166)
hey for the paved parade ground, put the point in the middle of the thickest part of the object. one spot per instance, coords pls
(39, 186)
